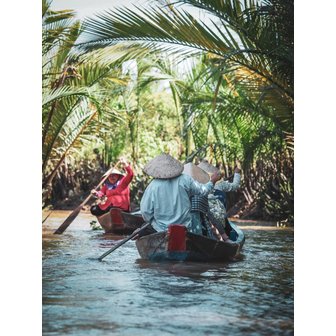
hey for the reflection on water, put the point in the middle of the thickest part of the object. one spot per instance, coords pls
(125, 295)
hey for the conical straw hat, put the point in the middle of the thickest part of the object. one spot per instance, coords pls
(196, 173)
(163, 166)
(206, 166)
(114, 171)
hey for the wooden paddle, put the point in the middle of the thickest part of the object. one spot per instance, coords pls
(75, 213)
(124, 241)
(46, 217)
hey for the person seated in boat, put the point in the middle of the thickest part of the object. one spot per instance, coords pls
(199, 213)
(166, 199)
(216, 199)
(199, 203)
(115, 192)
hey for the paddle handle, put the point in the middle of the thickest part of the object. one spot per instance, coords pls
(46, 217)
(123, 241)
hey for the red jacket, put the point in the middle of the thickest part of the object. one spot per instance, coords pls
(120, 196)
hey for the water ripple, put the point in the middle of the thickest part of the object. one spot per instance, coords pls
(124, 295)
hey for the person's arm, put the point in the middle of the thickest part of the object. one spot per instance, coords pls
(146, 205)
(228, 186)
(129, 175)
(197, 188)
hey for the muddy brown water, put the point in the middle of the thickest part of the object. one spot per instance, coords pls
(125, 295)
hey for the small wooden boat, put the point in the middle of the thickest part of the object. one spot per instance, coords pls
(120, 222)
(177, 244)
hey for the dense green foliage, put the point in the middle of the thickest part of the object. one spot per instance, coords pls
(162, 79)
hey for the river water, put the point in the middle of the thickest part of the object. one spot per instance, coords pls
(124, 295)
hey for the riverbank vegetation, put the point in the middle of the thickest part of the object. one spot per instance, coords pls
(193, 78)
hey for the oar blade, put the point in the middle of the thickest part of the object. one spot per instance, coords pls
(68, 221)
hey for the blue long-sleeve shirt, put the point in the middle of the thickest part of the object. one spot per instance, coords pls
(201, 204)
(167, 201)
(227, 186)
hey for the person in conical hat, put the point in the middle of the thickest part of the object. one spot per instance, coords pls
(196, 212)
(166, 199)
(215, 209)
(196, 173)
(206, 166)
(115, 192)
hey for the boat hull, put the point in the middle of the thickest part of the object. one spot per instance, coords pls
(155, 247)
(120, 222)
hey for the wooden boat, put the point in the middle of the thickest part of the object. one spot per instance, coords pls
(177, 244)
(120, 222)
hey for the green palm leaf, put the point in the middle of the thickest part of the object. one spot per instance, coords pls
(237, 34)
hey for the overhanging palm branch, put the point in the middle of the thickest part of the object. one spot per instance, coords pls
(236, 34)
(63, 92)
(56, 26)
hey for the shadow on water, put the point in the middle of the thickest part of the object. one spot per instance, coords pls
(194, 270)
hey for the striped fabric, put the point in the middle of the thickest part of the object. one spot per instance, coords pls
(200, 203)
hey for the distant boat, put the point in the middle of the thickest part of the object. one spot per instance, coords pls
(177, 244)
(120, 222)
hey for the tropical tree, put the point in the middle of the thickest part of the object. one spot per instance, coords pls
(76, 89)
(248, 39)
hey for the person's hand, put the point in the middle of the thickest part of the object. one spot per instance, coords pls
(123, 162)
(216, 176)
(94, 192)
(237, 170)
(102, 199)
